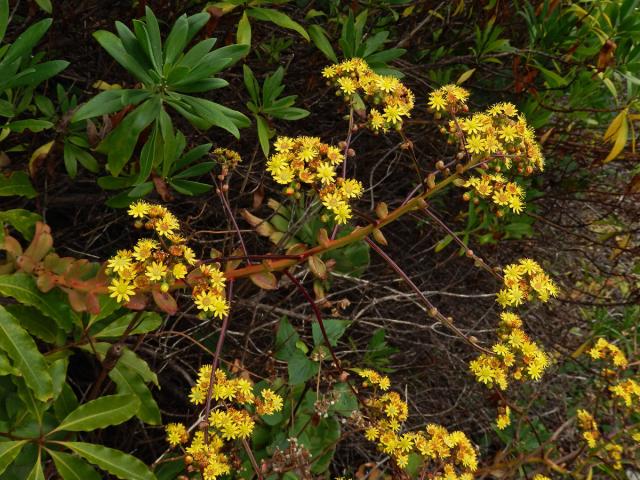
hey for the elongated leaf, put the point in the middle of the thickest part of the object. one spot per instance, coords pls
(36, 472)
(263, 134)
(71, 467)
(4, 17)
(129, 382)
(243, 34)
(320, 40)
(27, 40)
(22, 287)
(8, 452)
(122, 465)
(149, 321)
(113, 45)
(121, 142)
(279, 18)
(108, 102)
(177, 39)
(16, 184)
(621, 137)
(101, 412)
(22, 350)
(128, 358)
(22, 220)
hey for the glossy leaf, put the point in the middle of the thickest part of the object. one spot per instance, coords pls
(100, 413)
(71, 467)
(22, 350)
(117, 463)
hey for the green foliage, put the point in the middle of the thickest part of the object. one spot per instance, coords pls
(169, 74)
(266, 105)
(21, 72)
(354, 42)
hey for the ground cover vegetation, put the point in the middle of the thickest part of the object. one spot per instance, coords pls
(298, 239)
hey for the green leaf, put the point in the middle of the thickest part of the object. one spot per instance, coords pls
(8, 452)
(263, 134)
(129, 382)
(22, 350)
(113, 45)
(4, 18)
(23, 221)
(108, 102)
(243, 35)
(187, 187)
(27, 40)
(320, 40)
(300, 368)
(70, 467)
(286, 339)
(177, 40)
(279, 18)
(148, 322)
(334, 328)
(128, 358)
(45, 5)
(32, 124)
(53, 304)
(17, 183)
(117, 463)
(36, 472)
(101, 412)
(121, 142)
(552, 78)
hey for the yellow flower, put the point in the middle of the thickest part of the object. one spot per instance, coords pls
(156, 271)
(120, 262)
(475, 144)
(325, 173)
(121, 290)
(179, 271)
(176, 434)
(437, 101)
(139, 209)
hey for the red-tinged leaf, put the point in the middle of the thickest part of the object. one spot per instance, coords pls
(233, 264)
(165, 302)
(93, 304)
(265, 280)
(45, 282)
(137, 302)
(11, 246)
(77, 300)
(41, 244)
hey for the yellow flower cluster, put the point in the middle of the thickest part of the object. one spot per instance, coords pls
(603, 350)
(450, 98)
(541, 477)
(628, 390)
(392, 100)
(208, 290)
(152, 263)
(159, 264)
(522, 280)
(504, 417)
(450, 455)
(498, 138)
(589, 427)
(229, 418)
(176, 434)
(308, 160)
(496, 187)
(374, 378)
(227, 158)
(208, 456)
(515, 356)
